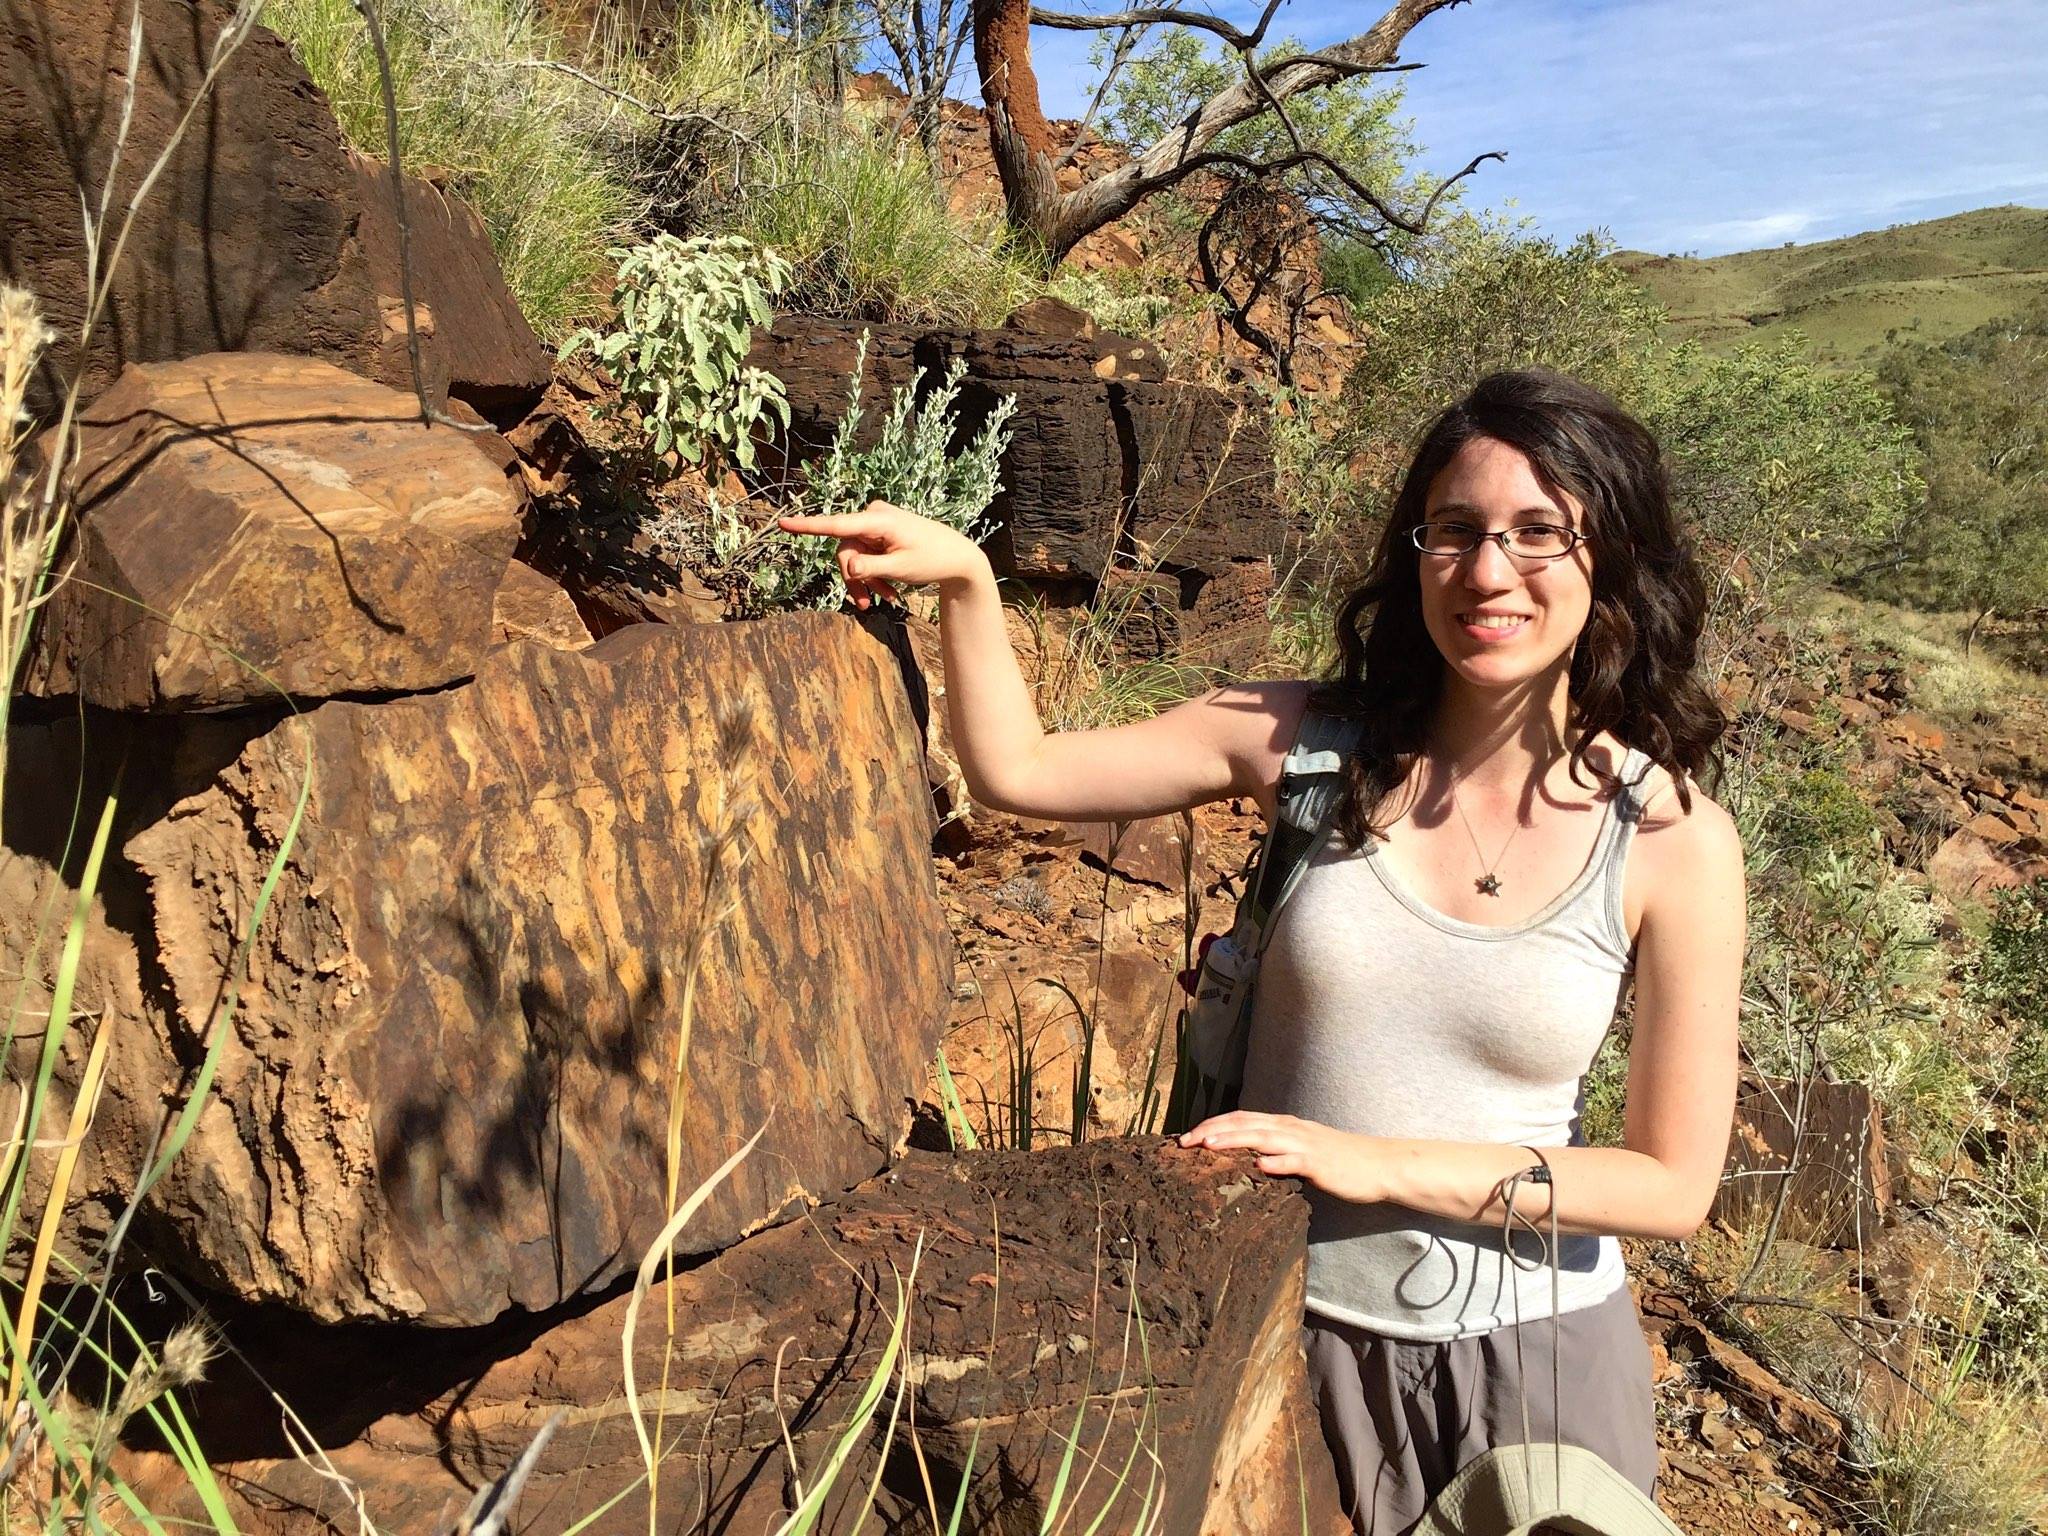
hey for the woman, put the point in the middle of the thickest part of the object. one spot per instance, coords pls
(1519, 840)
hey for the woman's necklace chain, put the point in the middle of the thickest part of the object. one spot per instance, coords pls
(1487, 884)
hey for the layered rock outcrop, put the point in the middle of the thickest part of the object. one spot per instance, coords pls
(1136, 1300)
(1110, 462)
(262, 234)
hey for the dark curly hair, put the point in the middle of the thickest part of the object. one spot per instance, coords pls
(1634, 669)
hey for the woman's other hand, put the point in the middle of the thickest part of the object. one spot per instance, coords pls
(882, 546)
(1334, 1161)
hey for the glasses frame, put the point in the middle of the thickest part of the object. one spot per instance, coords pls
(1499, 536)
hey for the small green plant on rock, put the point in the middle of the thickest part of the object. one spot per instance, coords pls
(686, 312)
(910, 464)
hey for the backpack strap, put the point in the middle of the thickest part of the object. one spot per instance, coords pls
(1311, 784)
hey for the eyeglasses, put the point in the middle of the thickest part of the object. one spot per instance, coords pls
(1524, 541)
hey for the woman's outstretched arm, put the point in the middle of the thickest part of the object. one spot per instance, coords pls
(1226, 742)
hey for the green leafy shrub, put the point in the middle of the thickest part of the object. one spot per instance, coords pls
(2012, 979)
(1778, 464)
(1357, 122)
(1357, 269)
(1978, 409)
(1129, 302)
(1494, 299)
(686, 313)
(910, 464)
(1816, 811)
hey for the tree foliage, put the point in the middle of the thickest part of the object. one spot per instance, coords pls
(1978, 409)
(1052, 218)
(1491, 297)
(1778, 462)
(1355, 121)
(1265, 222)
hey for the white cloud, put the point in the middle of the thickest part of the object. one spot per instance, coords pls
(1743, 234)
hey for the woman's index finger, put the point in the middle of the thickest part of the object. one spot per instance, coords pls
(836, 525)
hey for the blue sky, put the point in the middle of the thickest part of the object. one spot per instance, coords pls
(1703, 125)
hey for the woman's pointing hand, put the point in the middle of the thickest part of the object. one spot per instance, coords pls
(882, 546)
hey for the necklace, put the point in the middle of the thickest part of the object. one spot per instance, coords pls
(1487, 884)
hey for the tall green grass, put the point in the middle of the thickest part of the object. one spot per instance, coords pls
(869, 228)
(520, 141)
(567, 147)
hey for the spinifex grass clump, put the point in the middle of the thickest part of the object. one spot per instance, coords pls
(522, 143)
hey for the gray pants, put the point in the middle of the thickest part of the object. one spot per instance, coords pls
(1403, 1417)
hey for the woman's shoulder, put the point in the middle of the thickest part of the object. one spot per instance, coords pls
(1255, 725)
(1654, 801)
(1688, 829)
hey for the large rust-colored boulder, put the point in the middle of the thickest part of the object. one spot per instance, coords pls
(1143, 1300)
(249, 522)
(448, 1089)
(1071, 475)
(263, 234)
(1205, 494)
(1969, 870)
(246, 241)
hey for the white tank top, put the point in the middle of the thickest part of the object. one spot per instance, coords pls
(1378, 1014)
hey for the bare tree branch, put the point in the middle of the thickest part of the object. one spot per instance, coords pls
(926, 38)
(1156, 15)
(1027, 161)
(1415, 226)
(430, 414)
(1236, 311)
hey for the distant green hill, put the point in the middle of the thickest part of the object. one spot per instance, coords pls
(1912, 282)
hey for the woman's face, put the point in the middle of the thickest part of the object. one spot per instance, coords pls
(1500, 619)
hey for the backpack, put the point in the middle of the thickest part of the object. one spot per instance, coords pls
(1217, 1020)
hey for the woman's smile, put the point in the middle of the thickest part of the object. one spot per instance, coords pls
(1492, 628)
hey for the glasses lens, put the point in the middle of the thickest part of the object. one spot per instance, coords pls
(1540, 539)
(1445, 538)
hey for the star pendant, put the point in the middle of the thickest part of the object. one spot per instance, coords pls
(1489, 884)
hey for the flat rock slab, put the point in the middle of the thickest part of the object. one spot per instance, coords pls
(449, 1089)
(250, 514)
(1138, 1300)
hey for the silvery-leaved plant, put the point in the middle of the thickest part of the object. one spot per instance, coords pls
(686, 312)
(909, 464)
